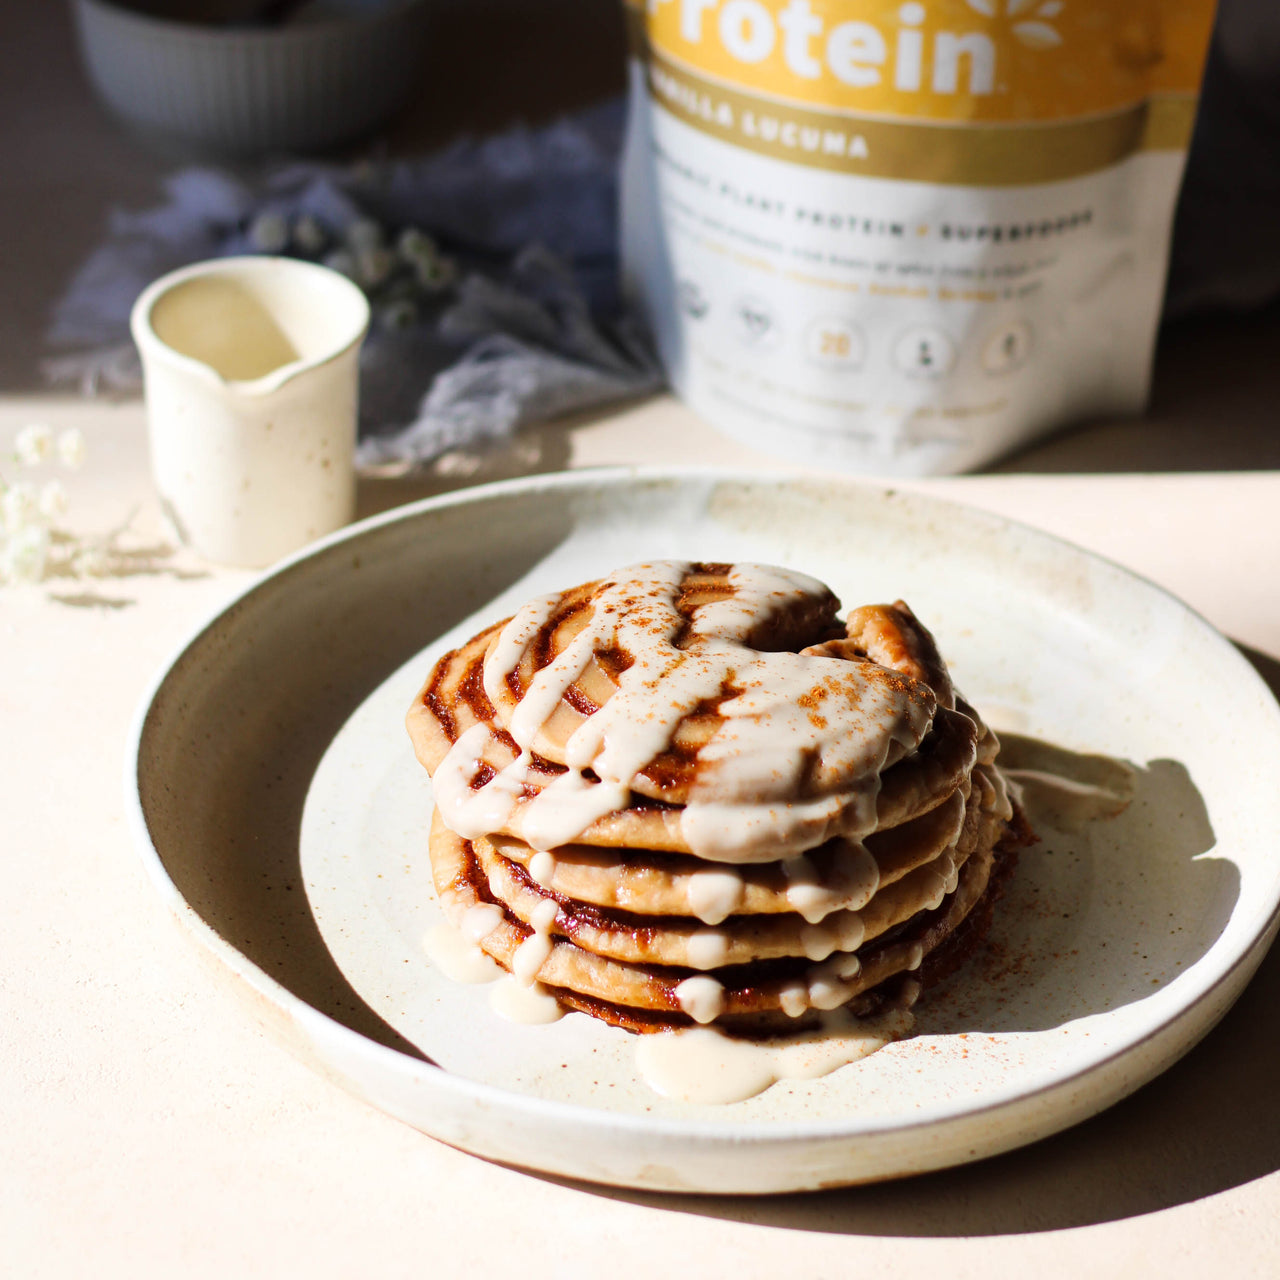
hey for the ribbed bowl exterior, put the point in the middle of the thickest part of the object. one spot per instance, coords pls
(243, 92)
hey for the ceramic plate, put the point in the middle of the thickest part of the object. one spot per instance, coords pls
(283, 815)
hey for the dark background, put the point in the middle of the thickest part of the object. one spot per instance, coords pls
(66, 164)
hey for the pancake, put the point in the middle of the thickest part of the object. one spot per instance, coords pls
(763, 997)
(687, 793)
(453, 716)
(841, 874)
(648, 939)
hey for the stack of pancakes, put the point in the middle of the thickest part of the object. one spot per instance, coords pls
(688, 793)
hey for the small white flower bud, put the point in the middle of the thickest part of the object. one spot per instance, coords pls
(269, 232)
(343, 261)
(71, 447)
(373, 266)
(308, 235)
(398, 315)
(414, 245)
(364, 234)
(18, 508)
(33, 444)
(25, 555)
(52, 500)
(437, 275)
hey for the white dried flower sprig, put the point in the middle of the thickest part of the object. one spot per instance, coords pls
(33, 444)
(33, 546)
(71, 448)
(25, 555)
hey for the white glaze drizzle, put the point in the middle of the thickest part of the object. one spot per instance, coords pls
(544, 915)
(794, 715)
(567, 806)
(457, 957)
(794, 999)
(830, 984)
(479, 921)
(703, 1065)
(840, 931)
(804, 894)
(454, 949)
(707, 949)
(532, 953)
(851, 882)
(714, 894)
(542, 868)
(533, 1004)
(953, 878)
(529, 957)
(942, 880)
(476, 811)
(519, 996)
(514, 639)
(701, 997)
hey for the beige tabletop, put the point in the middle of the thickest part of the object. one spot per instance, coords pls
(151, 1128)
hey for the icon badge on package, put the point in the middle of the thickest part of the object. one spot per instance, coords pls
(924, 351)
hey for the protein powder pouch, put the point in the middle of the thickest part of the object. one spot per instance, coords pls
(906, 237)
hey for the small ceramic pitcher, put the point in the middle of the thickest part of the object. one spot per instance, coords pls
(250, 366)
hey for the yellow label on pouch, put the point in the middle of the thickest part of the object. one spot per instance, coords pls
(906, 237)
(939, 60)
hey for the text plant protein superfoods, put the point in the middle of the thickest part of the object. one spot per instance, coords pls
(905, 237)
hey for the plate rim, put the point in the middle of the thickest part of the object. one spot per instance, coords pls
(320, 1026)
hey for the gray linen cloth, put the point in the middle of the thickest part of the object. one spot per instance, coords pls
(525, 325)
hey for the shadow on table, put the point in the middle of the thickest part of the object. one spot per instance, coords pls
(1212, 407)
(1268, 668)
(537, 450)
(1050, 957)
(1206, 1125)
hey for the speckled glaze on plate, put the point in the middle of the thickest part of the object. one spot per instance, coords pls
(283, 817)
